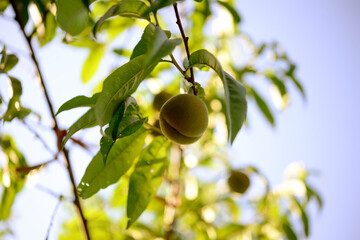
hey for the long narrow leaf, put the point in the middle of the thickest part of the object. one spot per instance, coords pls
(120, 158)
(146, 178)
(235, 92)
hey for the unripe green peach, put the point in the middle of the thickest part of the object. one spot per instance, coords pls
(238, 181)
(160, 99)
(184, 118)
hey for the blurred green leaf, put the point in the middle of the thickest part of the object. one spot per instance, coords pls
(120, 158)
(50, 29)
(3, 5)
(92, 62)
(279, 84)
(127, 8)
(146, 178)
(72, 16)
(8, 61)
(7, 200)
(263, 106)
(119, 85)
(78, 101)
(158, 4)
(236, 104)
(312, 193)
(291, 74)
(85, 121)
(15, 110)
(231, 10)
(289, 231)
(304, 217)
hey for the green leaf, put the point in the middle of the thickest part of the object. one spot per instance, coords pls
(304, 217)
(78, 101)
(133, 127)
(127, 8)
(92, 62)
(120, 158)
(289, 231)
(7, 200)
(119, 85)
(50, 29)
(72, 16)
(3, 5)
(155, 44)
(14, 107)
(8, 61)
(105, 146)
(235, 92)
(291, 74)
(263, 106)
(158, 4)
(85, 121)
(232, 11)
(115, 121)
(146, 178)
(279, 84)
(312, 193)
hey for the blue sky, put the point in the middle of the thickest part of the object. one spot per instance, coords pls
(322, 37)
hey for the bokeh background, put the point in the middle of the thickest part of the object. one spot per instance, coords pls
(323, 132)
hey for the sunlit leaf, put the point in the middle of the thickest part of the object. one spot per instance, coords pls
(118, 86)
(231, 10)
(72, 16)
(92, 62)
(120, 158)
(127, 8)
(263, 106)
(7, 200)
(146, 178)
(78, 101)
(85, 121)
(236, 104)
(155, 44)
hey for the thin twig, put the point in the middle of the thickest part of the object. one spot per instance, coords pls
(29, 168)
(53, 217)
(37, 135)
(185, 40)
(183, 72)
(56, 129)
(48, 191)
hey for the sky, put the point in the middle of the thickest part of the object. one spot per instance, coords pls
(321, 37)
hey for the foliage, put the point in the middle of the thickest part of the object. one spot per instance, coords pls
(159, 192)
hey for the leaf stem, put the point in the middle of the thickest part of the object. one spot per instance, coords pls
(58, 132)
(185, 40)
(183, 72)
